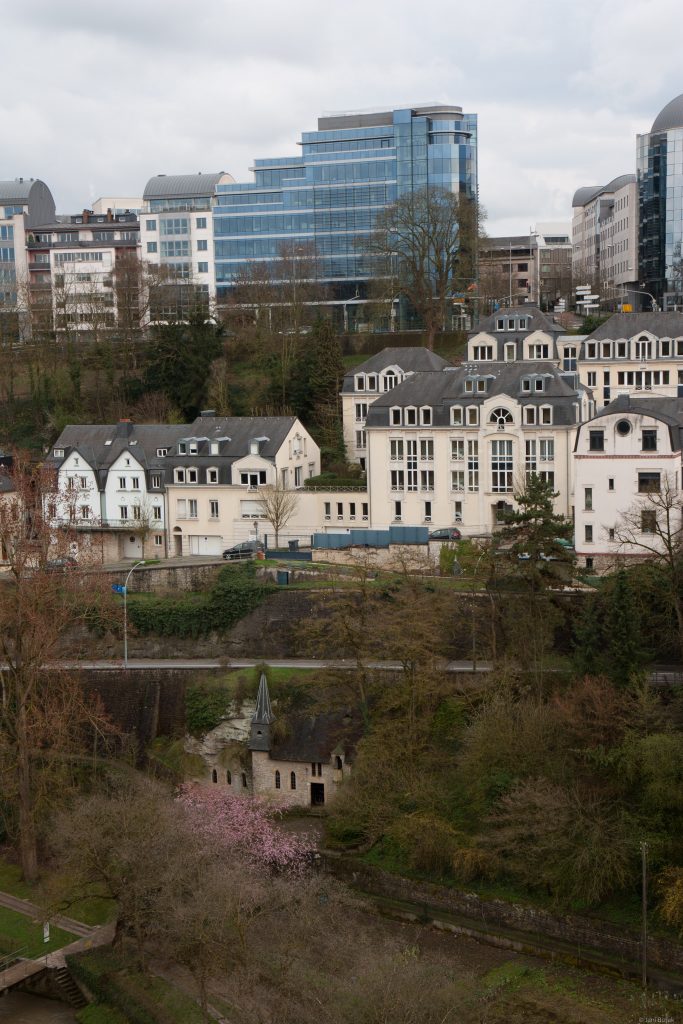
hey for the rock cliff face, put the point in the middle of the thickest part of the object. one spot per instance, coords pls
(224, 748)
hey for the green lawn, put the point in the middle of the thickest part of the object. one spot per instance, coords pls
(12, 882)
(18, 931)
(92, 910)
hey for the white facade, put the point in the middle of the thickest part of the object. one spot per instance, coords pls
(605, 238)
(625, 457)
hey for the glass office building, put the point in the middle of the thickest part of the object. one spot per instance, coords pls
(660, 186)
(323, 202)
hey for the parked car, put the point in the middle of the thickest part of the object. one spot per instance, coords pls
(64, 564)
(247, 549)
(447, 533)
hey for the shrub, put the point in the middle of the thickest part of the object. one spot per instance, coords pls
(205, 708)
(429, 842)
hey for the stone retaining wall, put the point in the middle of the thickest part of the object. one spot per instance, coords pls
(582, 932)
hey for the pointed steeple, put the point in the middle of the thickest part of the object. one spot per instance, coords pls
(259, 738)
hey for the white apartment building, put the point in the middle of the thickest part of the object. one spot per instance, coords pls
(24, 202)
(605, 238)
(377, 375)
(454, 447)
(626, 456)
(176, 228)
(634, 353)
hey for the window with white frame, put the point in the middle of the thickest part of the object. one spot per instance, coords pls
(502, 417)
(546, 449)
(389, 380)
(530, 415)
(85, 511)
(545, 414)
(59, 453)
(252, 478)
(469, 386)
(457, 449)
(395, 416)
(396, 449)
(192, 510)
(592, 350)
(179, 476)
(472, 415)
(482, 385)
(361, 411)
(360, 382)
(158, 540)
(456, 416)
(472, 465)
(530, 458)
(539, 384)
(156, 512)
(194, 447)
(643, 348)
(398, 511)
(397, 480)
(427, 511)
(182, 448)
(427, 449)
(156, 479)
(135, 483)
(592, 378)
(526, 384)
(212, 476)
(123, 512)
(327, 509)
(371, 382)
(622, 350)
(457, 511)
(538, 351)
(457, 479)
(501, 466)
(298, 476)
(411, 464)
(361, 439)
(500, 324)
(547, 476)
(162, 453)
(192, 476)
(411, 416)
(510, 352)
(606, 350)
(426, 416)
(213, 509)
(483, 353)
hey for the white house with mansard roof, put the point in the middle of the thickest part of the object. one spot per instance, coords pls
(635, 354)
(626, 458)
(453, 447)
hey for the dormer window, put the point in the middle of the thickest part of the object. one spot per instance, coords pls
(194, 448)
(481, 385)
(622, 350)
(510, 352)
(592, 350)
(456, 415)
(665, 347)
(395, 416)
(469, 386)
(512, 323)
(214, 448)
(500, 324)
(472, 415)
(162, 453)
(253, 447)
(529, 415)
(411, 416)
(538, 351)
(606, 350)
(192, 476)
(371, 382)
(360, 382)
(522, 323)
(526, 384)
(179, 476)
(546, 414)
(212, 476)
(389, 380)
(539, 384)
(59, 453)
(483, 353)
(182, 448)
(426, 416)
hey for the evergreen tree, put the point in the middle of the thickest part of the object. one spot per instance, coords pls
(534, 532)
(625, 651)
(315, 391)
(588, 647)
(180, 362)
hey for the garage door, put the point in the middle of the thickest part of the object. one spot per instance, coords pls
(206, 545)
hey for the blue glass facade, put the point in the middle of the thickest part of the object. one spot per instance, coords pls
(660, 184)
(324, 202)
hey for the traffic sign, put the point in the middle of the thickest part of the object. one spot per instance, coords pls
(118, 588)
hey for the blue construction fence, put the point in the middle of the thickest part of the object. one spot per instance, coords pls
(371, 538)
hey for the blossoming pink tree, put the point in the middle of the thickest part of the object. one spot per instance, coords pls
(244, 825)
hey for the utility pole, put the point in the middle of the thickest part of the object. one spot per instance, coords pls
(643, 854)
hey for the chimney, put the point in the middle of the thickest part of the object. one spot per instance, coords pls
(110, 215)
(86, 216)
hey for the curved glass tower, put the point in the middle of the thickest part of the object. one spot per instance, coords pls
(660, 188)
(325, 200)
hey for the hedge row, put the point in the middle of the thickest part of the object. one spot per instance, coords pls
(235, 593)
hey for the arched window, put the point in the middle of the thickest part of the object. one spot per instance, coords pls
(244, 780)
(390, 380)
(277, 780)
(214, 776)
(502, 417)
(292, 780)
(228, 778)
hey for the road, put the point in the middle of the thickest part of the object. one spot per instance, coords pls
(293, 663)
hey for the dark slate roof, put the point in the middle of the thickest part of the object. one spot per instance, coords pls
(317, 737)
(441, 391)
(90, 440)
(538, 322)
(667, 410)
(410, 360)
(626, 325)
(181, 186)
(670, 116)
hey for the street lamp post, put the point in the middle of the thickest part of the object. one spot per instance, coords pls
(125, 613)
(636, 291)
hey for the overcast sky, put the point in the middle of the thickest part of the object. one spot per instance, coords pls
(97, 97)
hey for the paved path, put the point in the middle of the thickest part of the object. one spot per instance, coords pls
(90, 936)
